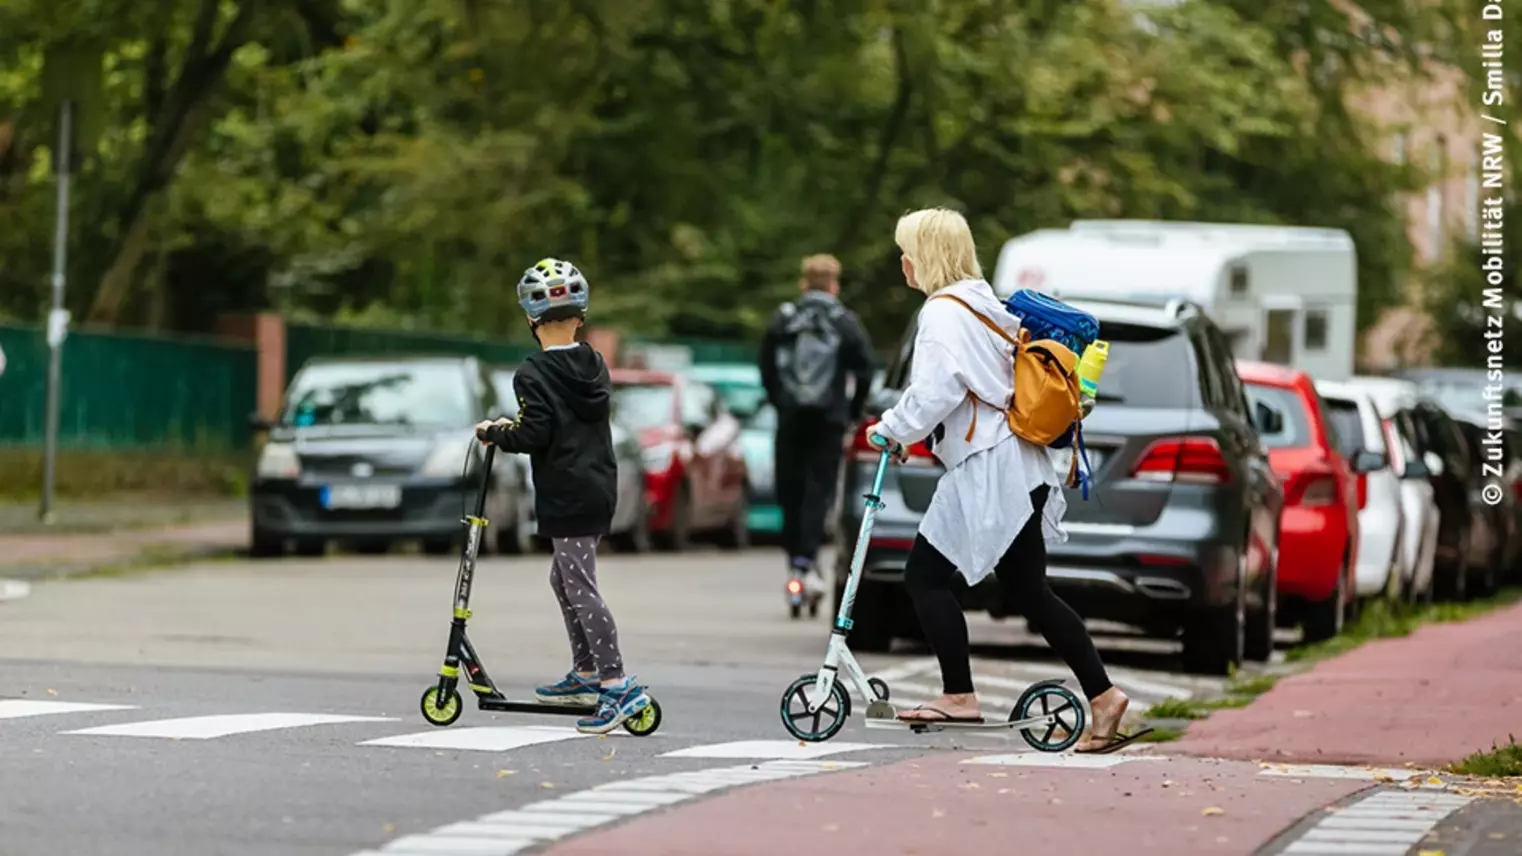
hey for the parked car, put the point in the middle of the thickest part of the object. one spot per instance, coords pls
(1358, 431)
(1318, 536)
(740, 386)
(631, 516)
(1464, 389)
(1441, 445)
(695, 473)
(1394, 400)
(1180, 530)
(372, 450)
(1494, 544)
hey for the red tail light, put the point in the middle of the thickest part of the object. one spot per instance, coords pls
(866, 451)
(1363, 491)
(1197, 460)
(1313, 491)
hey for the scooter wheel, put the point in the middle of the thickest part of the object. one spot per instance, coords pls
(1050, 698)
(817, 726)
(441, 714)
(648, 720)
(794, 610)
(814, 608)
(879, 687)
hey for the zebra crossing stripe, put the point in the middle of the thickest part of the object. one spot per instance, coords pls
(15, 708)
(222, 725)
(509, 832)
(480, 739)
(776, 750)
(1388, 822)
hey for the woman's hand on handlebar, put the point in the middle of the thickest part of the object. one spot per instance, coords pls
(880, 440)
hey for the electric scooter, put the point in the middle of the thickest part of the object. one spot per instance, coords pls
(1049, 716)
(441, 703)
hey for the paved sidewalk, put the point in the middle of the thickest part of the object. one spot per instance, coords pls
(1430, 699)
(40, 556)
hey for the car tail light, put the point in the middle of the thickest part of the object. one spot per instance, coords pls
(1315, 491)
(1183, 459)
(865, 451)
(1363, 491)
(1157, 560)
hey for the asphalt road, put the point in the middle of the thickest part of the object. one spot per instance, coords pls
(271, 707)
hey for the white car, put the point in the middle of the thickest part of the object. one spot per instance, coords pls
(1353, 417)
(1394, 400)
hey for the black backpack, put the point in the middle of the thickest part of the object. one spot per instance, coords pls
(809, 355)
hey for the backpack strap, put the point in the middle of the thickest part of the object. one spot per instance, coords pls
(1001, 333)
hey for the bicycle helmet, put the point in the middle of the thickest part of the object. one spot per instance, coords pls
(552, 290)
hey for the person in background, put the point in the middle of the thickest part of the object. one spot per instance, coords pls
(812, 346)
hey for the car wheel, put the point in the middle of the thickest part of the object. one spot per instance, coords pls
(1259, 642)
(263, 545)
(311, 547)
(438, 546)
(1324, 619)
(1215, 638)
(1455, 583)
(678, 539)
(737, 535)
(373, 547)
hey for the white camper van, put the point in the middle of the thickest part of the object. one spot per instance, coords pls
(1285, 295)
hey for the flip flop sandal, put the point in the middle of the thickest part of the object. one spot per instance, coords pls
(941, 716)
(1118, 741)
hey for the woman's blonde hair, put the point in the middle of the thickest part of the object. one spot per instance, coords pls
(938, 242)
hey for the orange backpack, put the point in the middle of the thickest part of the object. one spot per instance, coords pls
(1045, 405)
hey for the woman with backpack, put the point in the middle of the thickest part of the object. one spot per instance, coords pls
(1000, 496)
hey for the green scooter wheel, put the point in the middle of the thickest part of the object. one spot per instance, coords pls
(441, 714)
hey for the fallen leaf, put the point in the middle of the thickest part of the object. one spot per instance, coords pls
(1212, 811)
(937, 813)
(1168, 784)
(998, 775)
(971, 786)
(832, 827)
(1004, 790)
(502, 774)
(52, 692)
(388, 828)
(1430, 853)
(549, 786)
(1495, 783)
(1434, 780)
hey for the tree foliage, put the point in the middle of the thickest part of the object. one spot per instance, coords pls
(401, 161)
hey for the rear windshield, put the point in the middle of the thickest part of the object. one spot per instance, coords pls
(1296, 430)
(1147, 367)
(1346, 425)
(380, 393)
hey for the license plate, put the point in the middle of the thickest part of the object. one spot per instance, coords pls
(361, 496)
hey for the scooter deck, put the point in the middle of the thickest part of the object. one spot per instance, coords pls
(503, 704)
(947, 725)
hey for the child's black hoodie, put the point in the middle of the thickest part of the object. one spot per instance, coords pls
(564, 403)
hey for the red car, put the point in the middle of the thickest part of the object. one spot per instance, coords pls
(695, 474)
(1318, 536)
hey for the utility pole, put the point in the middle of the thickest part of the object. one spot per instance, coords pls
(58, 318)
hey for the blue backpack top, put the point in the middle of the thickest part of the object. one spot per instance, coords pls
(1047, 317)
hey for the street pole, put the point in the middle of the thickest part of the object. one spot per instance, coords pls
(58, 318)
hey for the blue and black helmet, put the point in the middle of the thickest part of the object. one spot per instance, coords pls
(552, 285)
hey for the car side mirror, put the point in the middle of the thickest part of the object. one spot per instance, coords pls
(258, 423)
(1267, 419)
(1416, 468)
(1434, 463)
(1368, 461)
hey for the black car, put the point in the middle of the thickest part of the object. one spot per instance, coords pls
(1441, 443)
(373, 450)
(1180, 531)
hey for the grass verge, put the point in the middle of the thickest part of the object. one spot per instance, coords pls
(1499, 762)
(1385, 620)
(1239, 693)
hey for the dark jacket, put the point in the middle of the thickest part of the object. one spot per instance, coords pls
(854, 359)
(564, 400)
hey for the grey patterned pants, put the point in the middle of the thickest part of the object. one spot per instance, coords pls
(588, 623)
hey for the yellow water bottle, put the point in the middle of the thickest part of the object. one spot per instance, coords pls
(1091, 367)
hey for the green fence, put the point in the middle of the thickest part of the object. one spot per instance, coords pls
(125, 391)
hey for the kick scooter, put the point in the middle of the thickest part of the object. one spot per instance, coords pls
(1049, 716)
(441, 703)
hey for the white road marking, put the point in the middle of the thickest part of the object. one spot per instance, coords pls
(1332, 771)
(18, 708)
(925, 692)
(1388, 822)
(490, 738)
(14, 589)
(1059, 759)
(905, 670)
(508, 832)
(209, 727)
(776, 750)
(1146, 687)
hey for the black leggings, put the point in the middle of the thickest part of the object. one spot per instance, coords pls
(1022, 575)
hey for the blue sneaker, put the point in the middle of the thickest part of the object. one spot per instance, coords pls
(619, 703)
(572, 689)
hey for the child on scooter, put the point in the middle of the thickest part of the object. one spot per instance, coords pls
(564, 402)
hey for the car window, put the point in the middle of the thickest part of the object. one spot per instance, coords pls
(380, 393)
(1207, 365)
(1296, 430)
(643, 405)
(1345, 424)
(1231, 383)
(1144, 367)
(507, 397)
